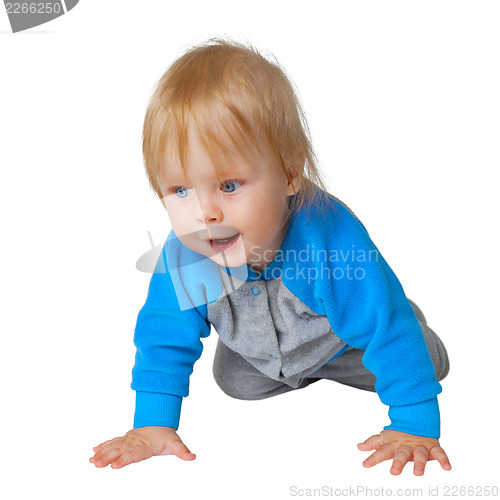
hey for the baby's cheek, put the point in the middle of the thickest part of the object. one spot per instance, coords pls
(182, 222)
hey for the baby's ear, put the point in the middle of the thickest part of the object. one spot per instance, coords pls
(295, 163)
(295, 169)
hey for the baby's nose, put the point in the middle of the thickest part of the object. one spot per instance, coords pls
(210, 210)
(212, 214)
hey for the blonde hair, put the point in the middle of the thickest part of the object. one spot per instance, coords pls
(236, 97)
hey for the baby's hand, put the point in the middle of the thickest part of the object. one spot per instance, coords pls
(139, 444)
(403, 448)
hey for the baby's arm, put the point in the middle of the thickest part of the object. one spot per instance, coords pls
(168, 344)
(140, 444)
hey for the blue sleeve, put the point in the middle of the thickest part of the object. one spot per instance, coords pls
(168, 343)
(368, 309)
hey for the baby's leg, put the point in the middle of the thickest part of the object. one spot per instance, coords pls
(348, 368)
(241, 380)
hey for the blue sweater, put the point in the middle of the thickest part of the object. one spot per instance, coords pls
(330, 288)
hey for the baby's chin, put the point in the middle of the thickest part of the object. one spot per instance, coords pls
(224, 261)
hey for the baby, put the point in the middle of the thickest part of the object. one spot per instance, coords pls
(284, 271)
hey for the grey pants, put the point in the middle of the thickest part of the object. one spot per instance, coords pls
(241, 380)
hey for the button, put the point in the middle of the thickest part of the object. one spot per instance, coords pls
(256, 290)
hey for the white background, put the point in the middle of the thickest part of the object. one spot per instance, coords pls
(403, 103)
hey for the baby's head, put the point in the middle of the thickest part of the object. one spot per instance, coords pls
(227, 149)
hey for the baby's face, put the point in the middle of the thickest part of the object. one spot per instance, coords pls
(241, 220)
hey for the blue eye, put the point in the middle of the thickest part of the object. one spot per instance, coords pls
(230, 186)
(181, 192)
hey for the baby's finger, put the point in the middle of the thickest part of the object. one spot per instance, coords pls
(107, 458)
(437, 453)
(420, 457)
(372, 443)
(113, 444)
(99, 446)
(401, 458)
(384, 452)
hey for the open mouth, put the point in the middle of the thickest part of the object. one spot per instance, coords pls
(222, 244)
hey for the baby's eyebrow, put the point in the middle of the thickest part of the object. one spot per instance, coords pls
(224, 173)
(231, 171)
(174, 180)
(173, 176)
(233, 174)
